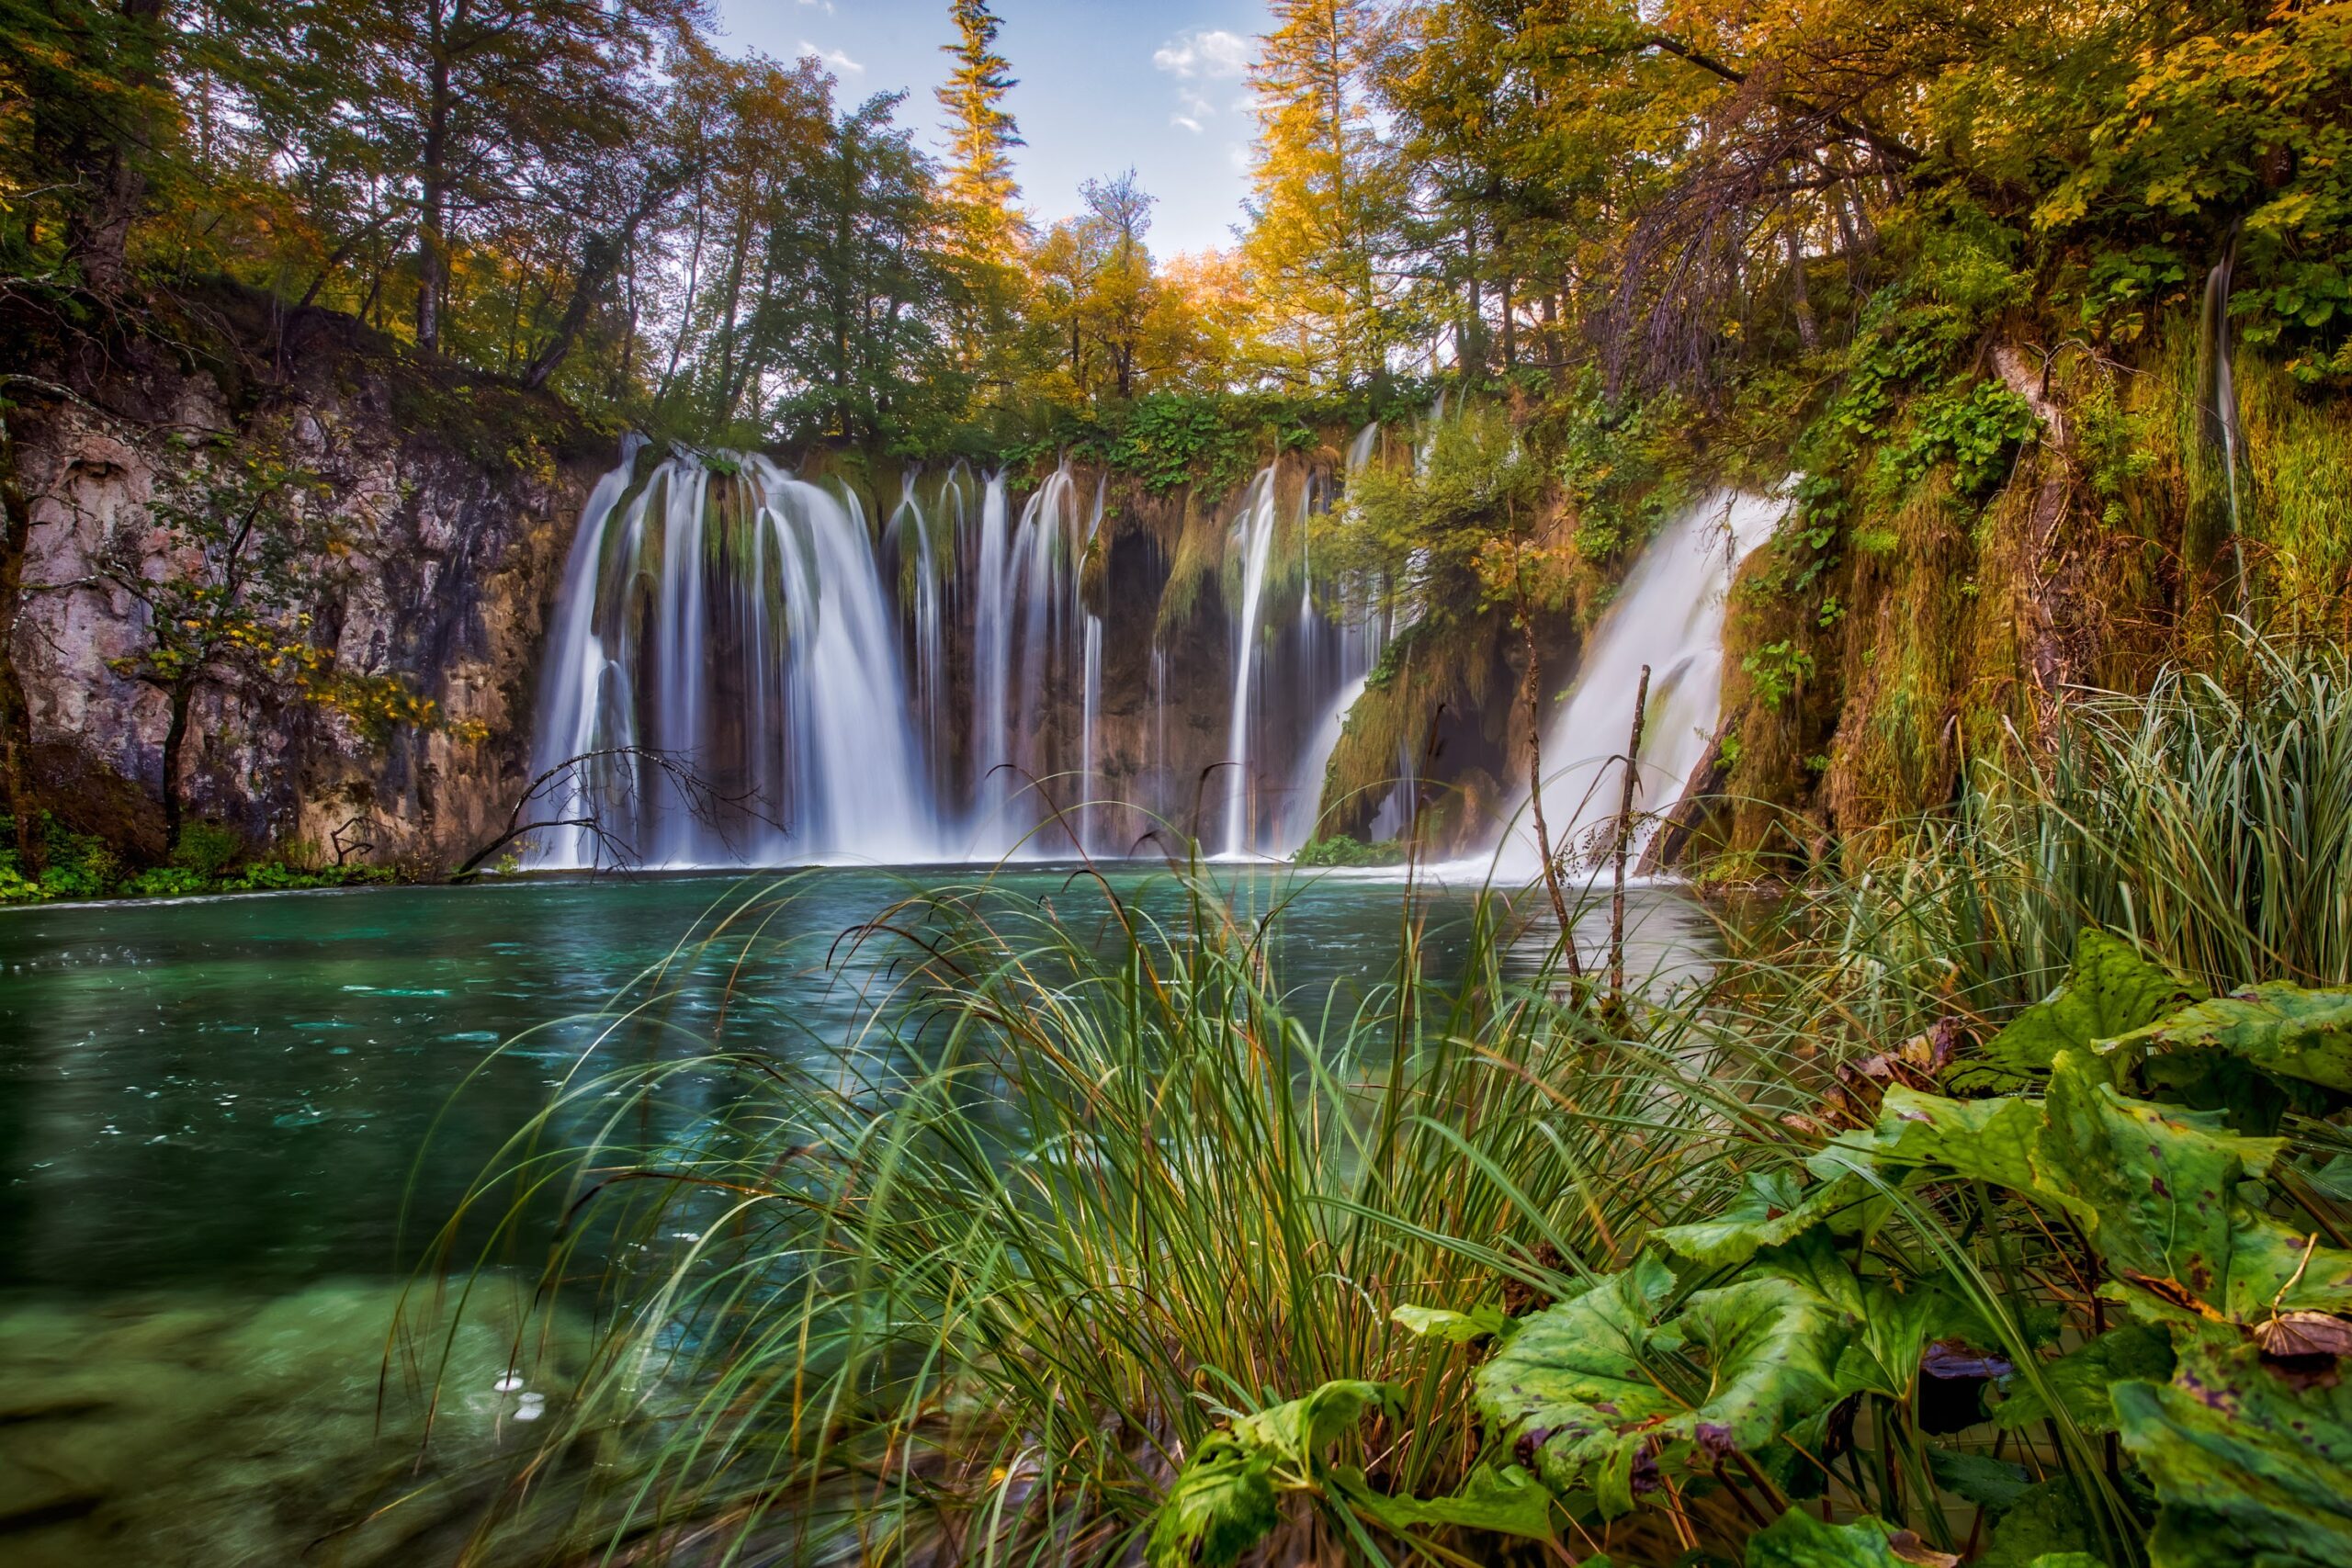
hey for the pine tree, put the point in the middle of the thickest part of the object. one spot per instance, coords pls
(987, 235)
(982, 133)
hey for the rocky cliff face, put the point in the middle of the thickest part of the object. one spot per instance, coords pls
(456, 500)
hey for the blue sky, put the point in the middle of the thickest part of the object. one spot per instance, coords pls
(1104, 84)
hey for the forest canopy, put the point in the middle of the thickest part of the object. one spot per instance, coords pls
(593, 196)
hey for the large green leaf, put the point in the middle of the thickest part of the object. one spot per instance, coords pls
(1987, 1140)
(2157, 1191)
(1797, 1539)
(1596, 1398)
(2042, 1520)
(1221, 1505)
(2279, 1029)
(1297, 1432)
(2112, 990)
(1506, 1502)
(1884, 1355)
(2083, 1381)
(1450, 1327)
(2252, 1462)
(2155, 1187)
(1226, 1497)
(1992, 1484)
(1771, 1210)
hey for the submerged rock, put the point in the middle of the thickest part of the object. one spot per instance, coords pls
(335, 1426)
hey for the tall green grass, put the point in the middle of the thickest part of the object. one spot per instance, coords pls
(965, 1279)
(2209, 820)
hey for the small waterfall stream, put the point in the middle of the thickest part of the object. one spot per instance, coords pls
(1670, 616)
(775, 722)
(1255, 533)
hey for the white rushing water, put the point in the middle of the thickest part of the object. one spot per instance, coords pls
(1254, 533)
(743, 669)
(806, 752)
(746, 669)
(1670, 616)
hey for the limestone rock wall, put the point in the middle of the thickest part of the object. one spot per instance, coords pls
(457, 526)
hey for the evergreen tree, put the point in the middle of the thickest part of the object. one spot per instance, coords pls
(1330, 197)
(982, 133)
(987, 236)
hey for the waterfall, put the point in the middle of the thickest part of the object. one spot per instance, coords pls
(1092, 708)
(571, 683)
(774, 722)
(991, 657)
(908, 542)
(857, 786)
(744, 668)
(1300, 820)
(1254, 531)
(1668, 614)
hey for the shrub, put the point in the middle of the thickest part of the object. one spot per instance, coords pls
(207, 849)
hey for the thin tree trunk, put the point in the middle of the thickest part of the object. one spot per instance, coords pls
(1531, 693)
(1808, 330)
(432, 237)
(98, 237)
(1624, 842)
(15, 714)
(600, 260)
(175, 741)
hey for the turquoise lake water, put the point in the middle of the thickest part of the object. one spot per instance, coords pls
(228, 1125)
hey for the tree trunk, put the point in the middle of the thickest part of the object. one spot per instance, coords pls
(98, 239)
(1808, 330)
(182, 694)
(16, 715)
(599, 263)
(1531, 693)
(2046, 595)
(1625, 842)
(432, 219)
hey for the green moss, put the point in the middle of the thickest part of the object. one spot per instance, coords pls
(1341, 850)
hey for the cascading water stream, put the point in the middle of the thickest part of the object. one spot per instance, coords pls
(858, 785)
(991, 657)
(1255, 527)
(571, 683)
(1090, 712)
(1670, 616)
(743, 670)
(812, 754)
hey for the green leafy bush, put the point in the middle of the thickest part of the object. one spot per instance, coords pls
(2204, 1327)
(1338, 849)
(207, 849)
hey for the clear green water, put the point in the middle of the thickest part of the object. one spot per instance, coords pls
(238, 1089)
(227, 1126)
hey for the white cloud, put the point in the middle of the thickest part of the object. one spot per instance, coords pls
(838, 58)
(1187, 122)
(824, 6)
(1204, 51)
